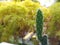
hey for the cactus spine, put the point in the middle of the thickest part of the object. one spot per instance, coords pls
(39, 27)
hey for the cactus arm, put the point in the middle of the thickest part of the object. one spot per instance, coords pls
(39, 28)
(44, 41)
(39, 25)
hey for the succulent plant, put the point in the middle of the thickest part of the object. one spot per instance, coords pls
(39, 28)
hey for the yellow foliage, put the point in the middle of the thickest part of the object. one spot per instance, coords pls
(46, 12)
(18, 17)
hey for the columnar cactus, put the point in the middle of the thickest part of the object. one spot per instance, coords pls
(39, 28)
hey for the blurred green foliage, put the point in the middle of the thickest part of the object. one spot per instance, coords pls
(58, 0)
(16, 18)
(54, 23)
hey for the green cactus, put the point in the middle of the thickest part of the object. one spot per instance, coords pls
(39, 28)
(39, 24)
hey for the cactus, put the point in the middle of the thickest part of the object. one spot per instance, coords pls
(39, 24)
(39, 28)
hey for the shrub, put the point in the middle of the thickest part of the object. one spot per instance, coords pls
(54, 24)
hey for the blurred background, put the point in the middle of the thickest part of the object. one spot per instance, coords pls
(17, 21)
